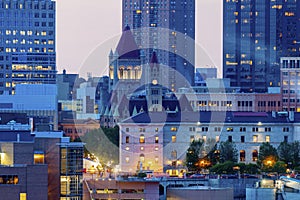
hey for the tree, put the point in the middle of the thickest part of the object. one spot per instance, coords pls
(279, 167)
(223, 168)
(295, 154)
(290, 153)
(228, 152)
(193, 154)
(267, 156)
(285, 152)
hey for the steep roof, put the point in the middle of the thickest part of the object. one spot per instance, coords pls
(127, 47)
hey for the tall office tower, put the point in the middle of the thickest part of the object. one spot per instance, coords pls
(256, 34)
(168, 28)
(27, 43)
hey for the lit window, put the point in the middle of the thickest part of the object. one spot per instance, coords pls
(267, 138)
(174, 155)
(173, 129)
(156, 129)
(127, 148)
(142, 157)
(142, 139)
(204, 138)
(142, 148)
(39, 158)
(173, 138)
(255, 138)
(217, 138)
(156, 159)
(192, 138)
(127, 159)
(156, 139)
(23, 196)
(127, 139)
(156, 148)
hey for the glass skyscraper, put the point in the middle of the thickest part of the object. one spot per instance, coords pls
(256, 34)
(168, 28)
(27, 43)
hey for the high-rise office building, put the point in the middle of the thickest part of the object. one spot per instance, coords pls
(168, 28)
(256, 34)
(27, 43)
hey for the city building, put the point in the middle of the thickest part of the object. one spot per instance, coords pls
(256, 34)
(38, 165)
(27, 50)
(167, 27)
(37, 101)
(75, 128)
(204, 73)
(158, 141)
(290, 83)
(130, 188)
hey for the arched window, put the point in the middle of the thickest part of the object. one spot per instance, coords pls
(121, 72)
(254, 155)
(242, 156)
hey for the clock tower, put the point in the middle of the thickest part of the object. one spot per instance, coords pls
(154, 87)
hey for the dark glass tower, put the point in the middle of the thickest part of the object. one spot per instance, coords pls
(168, 28)
(256, 34)
(27, 43)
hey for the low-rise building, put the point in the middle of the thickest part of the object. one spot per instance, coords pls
(159, 140)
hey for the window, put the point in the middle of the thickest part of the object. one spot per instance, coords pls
(156, 139)
(173, 129)
(142, 139)
(204, 138)
(142, 148)
(204, 129)
(127, 139)
(156, 148)
(127, 129)
(192, 138)
(9, 179)
(267, 138)
(285, 129)
(127, 159)
(229, 138)
(38, 157)
(173, 138)
(242, 129)
(255, 138)
(156, 129)
(267, 129)
(142, 157)
(142, 129)
(23, 196)
(286, 138)
(254, 155)
(217, 129)
(229, 129)
(192, 129)
(242, 139)
(156, 159)
(242, 156)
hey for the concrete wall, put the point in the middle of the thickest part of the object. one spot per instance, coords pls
(199, 194)
(260, 193)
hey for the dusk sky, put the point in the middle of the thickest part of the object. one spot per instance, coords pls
(87, 30)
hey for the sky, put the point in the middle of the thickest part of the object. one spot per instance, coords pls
(87, 30)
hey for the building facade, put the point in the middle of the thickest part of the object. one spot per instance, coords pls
(256, 34)
(162, 144)
(27, 50)
(167, 27)
(290, 83)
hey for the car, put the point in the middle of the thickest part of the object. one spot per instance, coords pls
(198, 176)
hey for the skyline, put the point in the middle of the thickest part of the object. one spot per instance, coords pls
(96, 42)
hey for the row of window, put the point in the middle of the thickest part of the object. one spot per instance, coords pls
(218, 129)
(255, 139)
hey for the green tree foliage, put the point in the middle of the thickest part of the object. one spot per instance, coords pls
(267, 157)
(103, 143)
(228, 152)
(193, 154)
(224, 168)
(279, 167)
(289, 153)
